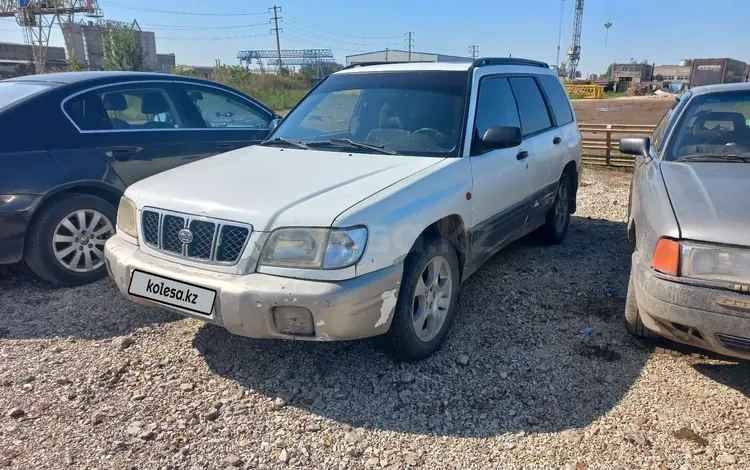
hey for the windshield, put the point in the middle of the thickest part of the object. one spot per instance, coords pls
(411, 113)
(714, 125)
(10, 92)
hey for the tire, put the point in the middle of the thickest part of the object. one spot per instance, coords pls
(404, 340)
(558, 218)
(632, 318)
(58, 220)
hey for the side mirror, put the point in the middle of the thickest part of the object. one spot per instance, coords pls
(273, 124)
(635, 145)
(502, 137)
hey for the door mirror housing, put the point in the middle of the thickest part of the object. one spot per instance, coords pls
(635, 146)
(501, 137)
(274, 124)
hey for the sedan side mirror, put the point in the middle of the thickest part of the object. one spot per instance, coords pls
(635, 145)
(273, 124)
(502, 137)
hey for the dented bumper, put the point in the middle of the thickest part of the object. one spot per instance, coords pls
(246, 304)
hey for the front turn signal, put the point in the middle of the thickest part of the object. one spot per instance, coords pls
(667, 257)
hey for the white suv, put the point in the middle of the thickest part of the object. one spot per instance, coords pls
(361, 215)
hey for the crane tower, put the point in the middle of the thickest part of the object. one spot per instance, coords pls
(37, 17)
(574, 50)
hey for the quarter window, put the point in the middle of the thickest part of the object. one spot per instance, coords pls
(558, 99)
(496, 106)
(531, 106)
(220, 109)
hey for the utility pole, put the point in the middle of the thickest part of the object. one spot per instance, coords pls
(474, 50)
(276, 19)
(410, 42)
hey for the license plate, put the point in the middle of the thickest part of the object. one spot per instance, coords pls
(168, 291)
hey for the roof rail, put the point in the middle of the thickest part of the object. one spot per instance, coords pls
(365, 64)
(484, 61)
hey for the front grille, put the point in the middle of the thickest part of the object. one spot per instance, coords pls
(213, 241)
(734, 342)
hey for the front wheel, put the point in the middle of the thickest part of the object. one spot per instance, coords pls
(427, 301)
(558, 218)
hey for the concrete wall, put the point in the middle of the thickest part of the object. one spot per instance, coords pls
(86, 40)
(165, 62)
(15, 51)
(672, 73)
(402, 56)
(633, 73)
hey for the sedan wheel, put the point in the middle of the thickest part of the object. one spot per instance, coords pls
(79, 238)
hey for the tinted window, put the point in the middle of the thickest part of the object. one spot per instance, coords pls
(10, 92)
(496, 106)
(558, 99)
(531, 106)
(122, 108)
(220, 109)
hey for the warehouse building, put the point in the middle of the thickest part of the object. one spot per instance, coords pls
(626, 75)
(395, 55)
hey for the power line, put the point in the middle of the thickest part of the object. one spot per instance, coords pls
(199, 28)
(339, 33)
(176, 12)
(212, 38)
(307, 42)
(312, 32)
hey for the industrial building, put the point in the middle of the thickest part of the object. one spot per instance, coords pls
(12, 55)
(395, 55)
(86, 39)
(626, 75)
(673, 77)
(165, 62)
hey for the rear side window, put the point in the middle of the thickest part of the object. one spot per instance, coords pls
(558, 99)
(496, 106)
(531, 106)
(10, 92)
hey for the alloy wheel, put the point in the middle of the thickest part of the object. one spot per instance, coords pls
(432, 297)
(78, 240)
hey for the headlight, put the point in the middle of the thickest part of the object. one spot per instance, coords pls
(716, 263)
(314, 248)
(126, 215)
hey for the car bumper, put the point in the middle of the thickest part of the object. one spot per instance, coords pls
(15, 214)
(707, 317)
(245, 304)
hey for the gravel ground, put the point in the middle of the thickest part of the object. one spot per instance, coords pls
(90, 380)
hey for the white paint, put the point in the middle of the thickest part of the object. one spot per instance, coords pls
(389, 303)
(320, 323)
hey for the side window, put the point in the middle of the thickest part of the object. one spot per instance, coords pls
(666, 123)
(496, 106)
(531, 106)
(123, 108)
(222, 109)
(558, 99)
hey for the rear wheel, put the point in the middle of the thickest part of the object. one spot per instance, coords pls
(633, 322)
(558, 218)
(427, 301)
(65, 243)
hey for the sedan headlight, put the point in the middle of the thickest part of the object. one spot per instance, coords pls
(715, 262)
(126, 215)
(314, 248)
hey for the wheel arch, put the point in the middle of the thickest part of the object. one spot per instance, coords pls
(453, 229)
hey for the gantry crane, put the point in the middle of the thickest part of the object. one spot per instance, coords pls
(574, 50)
(37, 17)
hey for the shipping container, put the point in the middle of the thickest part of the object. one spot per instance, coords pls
(716, 71)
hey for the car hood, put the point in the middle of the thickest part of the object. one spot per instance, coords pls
(710, 200)
(272, 187)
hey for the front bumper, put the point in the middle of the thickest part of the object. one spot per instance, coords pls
(244, 305)
(15, 214)
(710, 318)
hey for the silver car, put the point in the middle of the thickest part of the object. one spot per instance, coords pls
(689, 223)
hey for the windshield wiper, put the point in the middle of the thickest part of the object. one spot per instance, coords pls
(729, 157)
(285, 142)
(351, 144)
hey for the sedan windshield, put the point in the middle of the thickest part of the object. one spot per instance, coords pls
(410, 113)
(715, 127)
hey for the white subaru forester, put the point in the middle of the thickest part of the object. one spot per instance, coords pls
(366, 208)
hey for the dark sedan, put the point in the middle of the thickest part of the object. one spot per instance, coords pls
(72, 143)
(689, 223)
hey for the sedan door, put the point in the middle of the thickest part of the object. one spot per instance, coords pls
(136, 127)
(225, 120)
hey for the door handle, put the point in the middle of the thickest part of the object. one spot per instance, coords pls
(557, 140)
(522, 155)
(122, 154)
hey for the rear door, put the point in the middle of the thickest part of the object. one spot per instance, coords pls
(136, 127)
(225, 120)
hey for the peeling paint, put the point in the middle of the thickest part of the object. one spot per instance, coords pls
(258, 304)
(389, 303)
(320, 323)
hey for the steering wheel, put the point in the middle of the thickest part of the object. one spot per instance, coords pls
(429, 130)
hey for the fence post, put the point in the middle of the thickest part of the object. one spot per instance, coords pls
(609, 143)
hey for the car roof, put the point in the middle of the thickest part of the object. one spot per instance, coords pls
(527, 65)
(702, 90)
(78, 77)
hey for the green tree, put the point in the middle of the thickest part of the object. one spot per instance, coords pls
(74, 65)
(309, 73)
(122, 50)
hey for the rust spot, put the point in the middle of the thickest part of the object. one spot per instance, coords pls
(468, 196)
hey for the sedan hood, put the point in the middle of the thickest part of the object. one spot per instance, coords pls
(272, 187)
(711, 200)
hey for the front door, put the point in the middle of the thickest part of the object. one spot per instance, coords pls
(502, 178)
